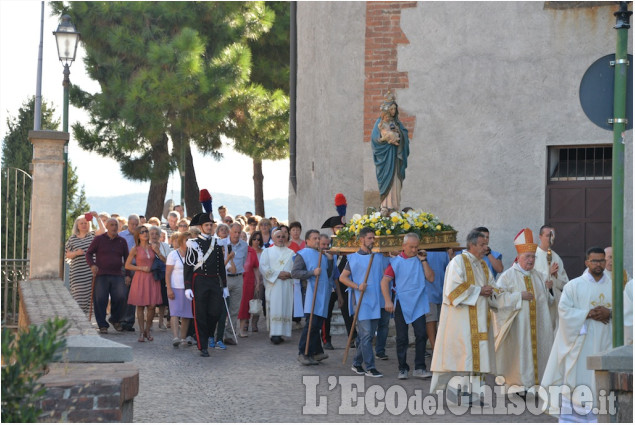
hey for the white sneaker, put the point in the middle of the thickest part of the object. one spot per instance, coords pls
(403, 374)
(189, 340)
(421, 374)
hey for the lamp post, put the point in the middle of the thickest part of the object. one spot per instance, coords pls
(67, 39)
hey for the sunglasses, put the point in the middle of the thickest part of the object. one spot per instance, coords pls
(183, 225)
(257, 239)
(143, 231)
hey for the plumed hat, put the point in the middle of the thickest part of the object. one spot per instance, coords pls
(524, 242)
(206, 216)
(340, 207)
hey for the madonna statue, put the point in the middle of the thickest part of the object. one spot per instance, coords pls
(391, 147)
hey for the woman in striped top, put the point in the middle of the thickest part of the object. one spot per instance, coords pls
(80, 275)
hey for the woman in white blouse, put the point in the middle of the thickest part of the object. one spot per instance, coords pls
(180, 307)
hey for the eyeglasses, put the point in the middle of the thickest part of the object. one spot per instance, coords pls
(597, 261)
(183, 225)
(256, 239)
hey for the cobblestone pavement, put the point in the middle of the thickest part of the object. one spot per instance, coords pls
(256, 381)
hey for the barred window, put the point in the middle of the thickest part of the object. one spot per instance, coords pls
(580, 163)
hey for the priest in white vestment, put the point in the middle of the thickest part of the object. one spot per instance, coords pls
(585, 311)
(465, 342)
(628, 313)
(522, 306)
(276, 263)
(550, 264)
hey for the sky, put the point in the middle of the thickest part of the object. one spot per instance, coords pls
(19, 45)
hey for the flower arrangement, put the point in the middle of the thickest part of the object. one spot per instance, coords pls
(397, 223)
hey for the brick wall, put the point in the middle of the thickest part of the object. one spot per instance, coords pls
(383, 34)
(81, 392)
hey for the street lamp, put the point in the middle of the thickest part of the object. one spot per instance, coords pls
(67, 39)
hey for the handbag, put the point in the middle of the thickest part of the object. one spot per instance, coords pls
(158, 269)
(255, 306)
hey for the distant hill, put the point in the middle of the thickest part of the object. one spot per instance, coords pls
(135, 203)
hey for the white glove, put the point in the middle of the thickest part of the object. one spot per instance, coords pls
(225, 292)
(189, 294)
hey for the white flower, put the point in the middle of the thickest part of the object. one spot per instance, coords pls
(356, 217)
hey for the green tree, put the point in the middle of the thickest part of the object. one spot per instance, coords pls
(167, 71)
(260, 121)
(17, 153)
(260, 130)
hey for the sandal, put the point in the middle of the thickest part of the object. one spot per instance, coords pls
(149, 335)
(141, 337)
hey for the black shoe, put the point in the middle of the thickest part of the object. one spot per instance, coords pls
(329, 346)
(276, 339)
(374, 373)
(307, 360)
(320, 356)
(358, 370)
(382, 356)
(115, 325)
(204, 352)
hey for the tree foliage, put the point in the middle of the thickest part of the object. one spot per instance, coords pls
(17, 154)
(167, 71)
(259, 124)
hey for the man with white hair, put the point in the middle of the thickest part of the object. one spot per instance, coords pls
(522, 323)
(276, 264)
(465, 341)
(410, 271)
(172, 224)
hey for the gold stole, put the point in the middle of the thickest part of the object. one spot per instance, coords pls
(532, 323)
(476, 336)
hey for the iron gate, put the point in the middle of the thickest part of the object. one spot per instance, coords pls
(16, 215)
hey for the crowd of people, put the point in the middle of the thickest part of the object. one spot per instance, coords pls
(528, 325)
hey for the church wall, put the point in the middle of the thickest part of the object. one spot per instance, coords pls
(490, 86)
(330, 108)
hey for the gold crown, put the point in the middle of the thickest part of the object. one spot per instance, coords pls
(389, 100)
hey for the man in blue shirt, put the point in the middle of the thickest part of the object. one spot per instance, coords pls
(493, 259)
(438, 261)
(234, 282)
(127, 322)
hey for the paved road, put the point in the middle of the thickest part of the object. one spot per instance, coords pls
(259, 382)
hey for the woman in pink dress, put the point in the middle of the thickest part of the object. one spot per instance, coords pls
(249, 281)
(145, 291)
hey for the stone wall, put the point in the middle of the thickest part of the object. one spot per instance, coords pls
(89, 382)
(489, 87)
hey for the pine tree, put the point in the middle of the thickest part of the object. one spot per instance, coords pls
(166, 71)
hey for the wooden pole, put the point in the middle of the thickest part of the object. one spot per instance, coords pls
(92, 291)
(317, 279)
(359, 304)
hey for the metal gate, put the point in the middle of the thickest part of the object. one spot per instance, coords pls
(16, 215)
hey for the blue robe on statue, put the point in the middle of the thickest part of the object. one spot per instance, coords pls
(387, 157)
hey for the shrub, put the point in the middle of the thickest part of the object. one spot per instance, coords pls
(25, 355)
